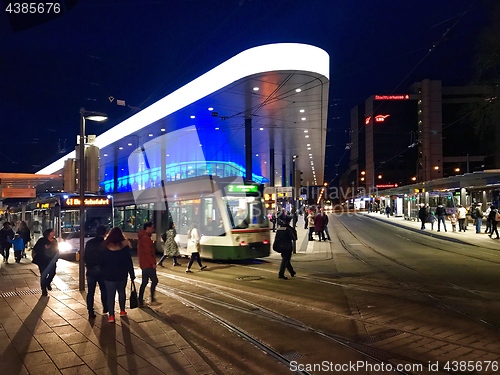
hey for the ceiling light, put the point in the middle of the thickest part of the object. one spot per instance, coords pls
(129, 144)
(150, 135)
(192, 116)
(302, 110)
(162, 129)
(210, 108)
(261, 128)
(105, 155)
(216, 128)
(307, 136)
(303, 119)
(255, 89)
(298, 90)
(306, 131)
(308, 144)
(120, 148)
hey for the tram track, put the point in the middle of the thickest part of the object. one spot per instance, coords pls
(429, 277)
(259, 311)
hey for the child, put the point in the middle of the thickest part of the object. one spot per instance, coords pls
(432, 219)
(18, 244)
(453, 220)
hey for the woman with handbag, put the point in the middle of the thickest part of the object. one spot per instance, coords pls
(194, 247)
(117, 265)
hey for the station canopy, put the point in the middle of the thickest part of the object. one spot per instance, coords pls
(281, 88)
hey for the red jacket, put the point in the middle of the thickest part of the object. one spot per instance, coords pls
(146, 250)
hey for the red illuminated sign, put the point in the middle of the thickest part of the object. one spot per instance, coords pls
(392, 97)
(385, 186)
(381, 118)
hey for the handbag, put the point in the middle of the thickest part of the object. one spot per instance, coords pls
(134, 301)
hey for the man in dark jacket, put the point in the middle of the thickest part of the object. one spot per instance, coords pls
(6, 234)
(422, 215)
(94, 249)
(441, 214)
(285, 235)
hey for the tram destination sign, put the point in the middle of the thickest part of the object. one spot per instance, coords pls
(87, 201)
(240, 188)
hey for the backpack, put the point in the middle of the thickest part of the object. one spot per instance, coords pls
(473, 213)
(282, 242)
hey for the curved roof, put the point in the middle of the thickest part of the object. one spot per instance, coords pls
(288, 111)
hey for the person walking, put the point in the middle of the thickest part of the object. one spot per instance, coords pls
(25, 234)
(441, 215)
(388, 211)
(117, 265)
(194, 247)
(170, 248)
(45, 256)
(146, 252)
(494, 223)
(461, 215)
(326, 225)
(488, 220)
(18, 245)
(285, 235)
(6, 234)
(94, 252)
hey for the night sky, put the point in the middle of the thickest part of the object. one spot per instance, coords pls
(140, 51)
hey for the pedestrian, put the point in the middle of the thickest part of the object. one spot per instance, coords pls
(25, 234)
(478, 216)
(94, 252)
(431, 219)
(45, 255)
(494, 221)
(327, 220)
(310, 224)
(488, 220)
(461, 216)
(170, 248)
(273, 221)
(194, 247)
(441, 214)
(388, 211)
(285, 235)
(18, 245)
(319, 226)
(422, 215)
(146, 251)
(453, 221)
(6, 234)
(117, 265)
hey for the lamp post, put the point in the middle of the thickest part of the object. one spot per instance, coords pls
(91, 116)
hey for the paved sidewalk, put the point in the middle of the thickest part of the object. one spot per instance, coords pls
(52, 335)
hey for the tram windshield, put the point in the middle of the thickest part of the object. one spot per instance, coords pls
(246, 212)
(94, 216)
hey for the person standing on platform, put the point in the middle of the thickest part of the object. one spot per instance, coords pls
(45, 255)
(285, 235)
(310, 224)
(461, 215)
(478, 216)
(170, 247)
(117, 265)
(94, 252)
(494, 223)
(488, 220)
(319, 226)
(326, 225)
(441, 214)
(422, 215)
(146, 252)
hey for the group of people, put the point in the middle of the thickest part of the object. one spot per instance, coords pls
(17, 238)
(317, 223)
(460, 218)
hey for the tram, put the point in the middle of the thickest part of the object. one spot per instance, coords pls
(62, 212)
(230, 216)
(412, 203)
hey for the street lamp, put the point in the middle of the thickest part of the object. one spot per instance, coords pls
(91, 116)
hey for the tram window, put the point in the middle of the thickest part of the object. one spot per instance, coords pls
(95, 216)
(212, 221)
(118, 217)
(245, 211)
